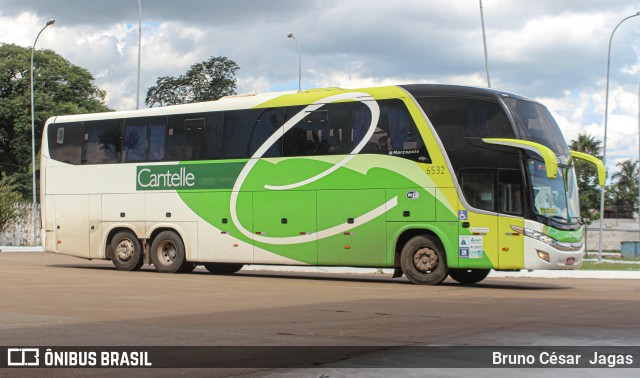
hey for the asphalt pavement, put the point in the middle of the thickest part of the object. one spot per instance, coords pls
(601, 274)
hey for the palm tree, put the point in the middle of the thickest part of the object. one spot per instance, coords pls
(627, 175)
(588, 144)
(624, 187)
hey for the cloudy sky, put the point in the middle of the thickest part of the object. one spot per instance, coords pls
(550, 50)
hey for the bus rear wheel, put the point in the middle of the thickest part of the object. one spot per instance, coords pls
(168, 253)
(126, 251)
(469, 276)
(423, 261)
(223, 268)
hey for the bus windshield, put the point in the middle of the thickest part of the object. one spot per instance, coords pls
(556, 199)
(534, 122)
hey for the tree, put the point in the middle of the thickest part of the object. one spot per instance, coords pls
(205, 81)
(624, 189)
(10, 212)
(59, 88)
(587, 175)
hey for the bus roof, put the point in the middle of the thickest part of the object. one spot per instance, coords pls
(428, 90)
(244, 101)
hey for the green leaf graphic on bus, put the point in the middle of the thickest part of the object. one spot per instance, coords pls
(296, 202)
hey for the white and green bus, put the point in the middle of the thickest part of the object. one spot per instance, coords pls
(431, 180)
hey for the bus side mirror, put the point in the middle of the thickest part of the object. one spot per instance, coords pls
(602, 172)
(549, 157)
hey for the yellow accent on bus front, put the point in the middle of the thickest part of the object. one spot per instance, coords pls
(602, 172)
(549, 157)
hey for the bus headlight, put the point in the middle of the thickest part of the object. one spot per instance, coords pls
(534, 234)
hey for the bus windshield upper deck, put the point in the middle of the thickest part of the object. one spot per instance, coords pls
(554, 199)
(533, 122)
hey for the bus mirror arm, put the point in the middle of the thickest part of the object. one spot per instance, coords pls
(549, 157)
(602, 172)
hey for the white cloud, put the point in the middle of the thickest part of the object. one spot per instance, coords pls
(253, 85)
(549, 50)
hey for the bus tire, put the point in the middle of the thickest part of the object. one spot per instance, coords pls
(423, 261)
(126, 251)
(168, 253)
(469, 276)
(223, 268)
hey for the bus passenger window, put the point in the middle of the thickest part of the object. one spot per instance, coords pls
(135, 141)
(303, 138)
(460, 122)
(213, 138)
(65, 142)
(324, 131)
(397, 134)
(510, 191)
(102, 142)
(238, 126)
(268, 123)
(360, 124)
(144, 139)
(195, 136)
(157, 134)
(186, 137)
(478, 187)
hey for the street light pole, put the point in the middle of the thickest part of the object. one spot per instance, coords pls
(139, 52)
(290, 35)
(484, 40)
(604, 142)
(33, 136)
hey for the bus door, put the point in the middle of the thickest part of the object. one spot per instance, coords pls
(487, 239)
(510, 242)
(478, 233)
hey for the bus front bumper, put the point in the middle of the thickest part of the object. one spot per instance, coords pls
(541, 256)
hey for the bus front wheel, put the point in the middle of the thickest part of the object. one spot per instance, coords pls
(168, 253)
(126, 251)
(469, 276)
(423, 261)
